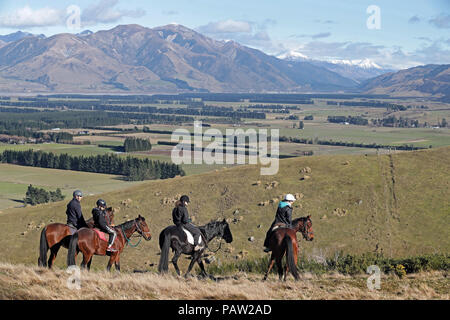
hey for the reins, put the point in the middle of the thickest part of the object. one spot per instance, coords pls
(128, 239)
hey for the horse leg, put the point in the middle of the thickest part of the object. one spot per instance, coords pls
(279, 267)
(202, 266)
(194, 258)
(86, 258)
(117, 263)
(272, 261)
(112, 259)
(89, 264)
(53, 253)
(175, 260)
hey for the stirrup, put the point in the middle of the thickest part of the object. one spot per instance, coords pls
(267, 249)
(111, 249)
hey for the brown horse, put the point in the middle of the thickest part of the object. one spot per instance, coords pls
(89, 243)
(284, 240)
(55, 235)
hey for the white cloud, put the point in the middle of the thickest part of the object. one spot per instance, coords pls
(226, 26)
(106, 12)
(26, 17)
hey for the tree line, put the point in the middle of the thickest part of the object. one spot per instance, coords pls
(347, 144)
(358, 120)
(133, 144)
(133, 169)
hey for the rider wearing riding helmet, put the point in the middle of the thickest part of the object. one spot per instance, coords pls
(181, 219)
(75, 219)
(102, 222)
(283, 216)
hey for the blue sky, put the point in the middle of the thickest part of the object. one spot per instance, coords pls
(409, 33)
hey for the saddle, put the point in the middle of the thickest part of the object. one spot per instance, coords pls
(278, 225)
(102, 235)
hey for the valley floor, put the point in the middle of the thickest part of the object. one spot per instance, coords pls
(24, 282)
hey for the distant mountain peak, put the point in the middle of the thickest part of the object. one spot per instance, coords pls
(362, 63)
(12, 37)
(85, 33)
(292, 55)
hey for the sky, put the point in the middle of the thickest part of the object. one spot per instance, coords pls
(395, 34)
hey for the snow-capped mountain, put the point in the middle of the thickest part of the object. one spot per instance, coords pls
(362, 63)
(356, 69)
(292, 56)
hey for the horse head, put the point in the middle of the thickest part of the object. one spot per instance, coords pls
(110, 213)
(307, 230)
(142, 228)
(226, 232)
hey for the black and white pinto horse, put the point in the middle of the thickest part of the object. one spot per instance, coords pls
(173, 237)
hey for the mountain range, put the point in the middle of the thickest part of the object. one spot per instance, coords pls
(358, 70)
(168, 59)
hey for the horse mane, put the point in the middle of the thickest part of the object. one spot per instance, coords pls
(210, 225)
(303, 219)
(126, 225)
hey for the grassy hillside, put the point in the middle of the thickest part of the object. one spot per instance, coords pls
(395, 204)
(20, 282)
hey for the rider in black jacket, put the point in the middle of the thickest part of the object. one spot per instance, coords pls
(74, 214)
(102, 222)
(181, 219)
(283, 217)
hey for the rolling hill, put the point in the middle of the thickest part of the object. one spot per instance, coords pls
(397, 205)
(428, 80)
(135, 59)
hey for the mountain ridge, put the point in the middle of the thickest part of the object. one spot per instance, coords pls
(171, 58)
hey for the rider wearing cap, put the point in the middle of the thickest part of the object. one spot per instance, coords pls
(283, 216)
(102, 222)
(74, 214)
(181, 219)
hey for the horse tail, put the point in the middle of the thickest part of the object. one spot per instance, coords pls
(43, 248)
(290, 257)
(164, 244)
(72, 251)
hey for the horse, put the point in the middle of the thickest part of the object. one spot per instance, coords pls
(89, 243)
(55, 235)
(172, 237)
(284, 240)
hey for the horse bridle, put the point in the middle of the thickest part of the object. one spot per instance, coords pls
(139, 230)
(305, 231)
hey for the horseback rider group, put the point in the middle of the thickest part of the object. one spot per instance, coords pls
(180, 216)
(76, 221)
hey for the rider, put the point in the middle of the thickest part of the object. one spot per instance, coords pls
(102, 222)
(75, 219)
(181, 219)
(283, 216)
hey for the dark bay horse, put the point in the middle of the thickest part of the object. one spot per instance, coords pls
(284, 241)
(55, 235)
(89, 243)
(172, 237)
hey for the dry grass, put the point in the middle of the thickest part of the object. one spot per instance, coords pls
(24, 282)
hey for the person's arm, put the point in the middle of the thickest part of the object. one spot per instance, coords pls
(186, 218)
(289, 215)
(80, 217)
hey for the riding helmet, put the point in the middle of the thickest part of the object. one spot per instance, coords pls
(77, 193)
(289, 197)
(184, 199)
(101, 202)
